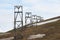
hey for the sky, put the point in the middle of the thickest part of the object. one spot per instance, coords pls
(45, 8)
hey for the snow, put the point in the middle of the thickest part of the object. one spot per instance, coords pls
(47, 22)
(36, 36)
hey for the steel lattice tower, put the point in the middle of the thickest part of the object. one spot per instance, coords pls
(34, 19)
(38, 18)
(18, 19)
(41, 19)
(28, 15)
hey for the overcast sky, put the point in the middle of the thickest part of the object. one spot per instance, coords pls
(44, 8)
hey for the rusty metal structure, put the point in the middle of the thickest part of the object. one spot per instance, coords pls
(18, 19)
